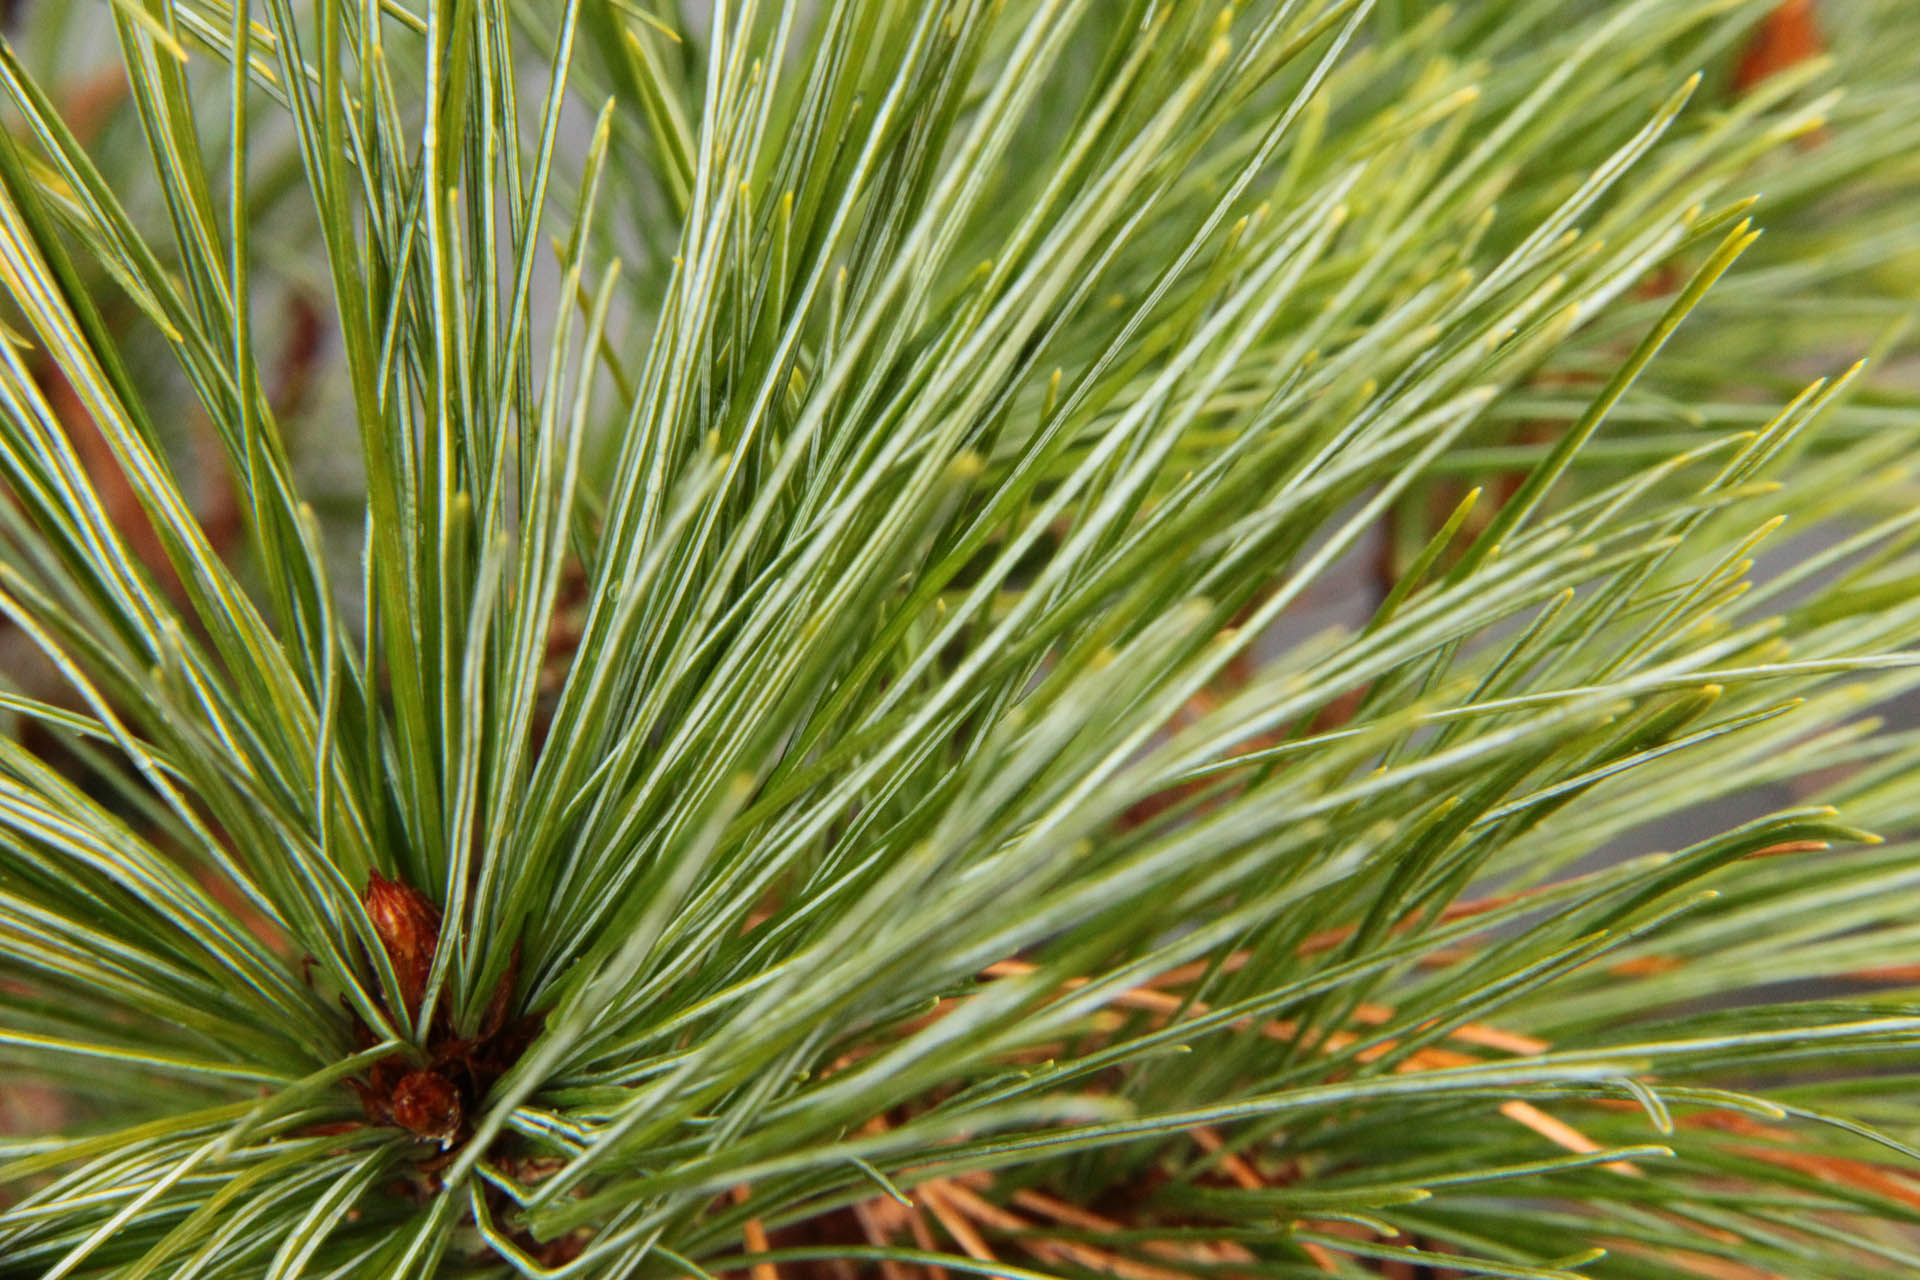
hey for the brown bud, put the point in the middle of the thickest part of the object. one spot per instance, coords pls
(426, 1105)
(409, 928)
(1789, 35)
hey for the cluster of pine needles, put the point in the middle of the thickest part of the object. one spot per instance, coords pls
(908, 638)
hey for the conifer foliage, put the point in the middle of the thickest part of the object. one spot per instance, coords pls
(651, 639)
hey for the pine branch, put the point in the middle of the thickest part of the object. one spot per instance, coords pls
(808, 748)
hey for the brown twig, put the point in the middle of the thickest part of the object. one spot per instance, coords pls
(755, 1236)
(934, 1195)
